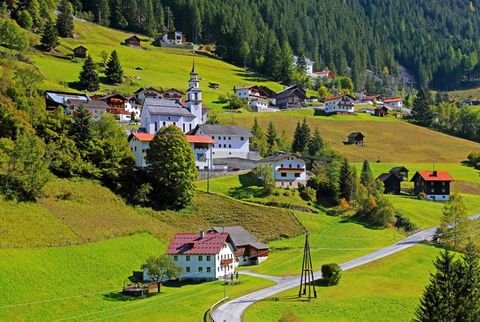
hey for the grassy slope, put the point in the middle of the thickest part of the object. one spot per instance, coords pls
(161, 67)
(385, 290)
(80, 283)
(389, 139)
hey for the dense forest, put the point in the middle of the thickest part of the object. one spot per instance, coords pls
(436, 40)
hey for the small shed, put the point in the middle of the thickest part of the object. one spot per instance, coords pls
(356, 138)
(391, 182)
(401, 172)
(381, 111)
(80, 52)
(133, 41)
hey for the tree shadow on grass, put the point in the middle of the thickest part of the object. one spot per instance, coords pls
(359, 221)
(250, 76)
(120, 297)
(250, 187)
(180, 283)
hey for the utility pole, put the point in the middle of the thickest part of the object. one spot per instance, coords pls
(307, 279)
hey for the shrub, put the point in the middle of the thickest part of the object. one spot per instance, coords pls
(404, 222)
(308, 194)
(331, 274)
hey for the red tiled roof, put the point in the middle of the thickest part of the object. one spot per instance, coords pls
(392, 99)
(199, 139)
(441, 176)
(331, 98)
(144, 137)
(192, 244)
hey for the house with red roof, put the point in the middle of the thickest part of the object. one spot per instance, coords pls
(323, 74)
(201, 146)
(434, 184)
(203, 256)
(394, 103)
(339, 104)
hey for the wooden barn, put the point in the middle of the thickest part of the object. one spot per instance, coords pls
(80, 52)
(133, 41)
(381, 111)
(391, 183)
(356, 138)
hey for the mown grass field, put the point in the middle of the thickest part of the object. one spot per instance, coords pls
(79, 283)
(387, 139)
(162, 67)
(385, 290)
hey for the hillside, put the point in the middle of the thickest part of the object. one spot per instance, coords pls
(161, 67)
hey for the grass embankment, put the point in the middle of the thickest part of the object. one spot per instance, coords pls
(79, 283)
(385, 290)
(161, 67)
(387, 139)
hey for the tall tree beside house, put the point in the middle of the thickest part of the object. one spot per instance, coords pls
(88, 76)
(49, 38)
(65, 19)
(366, 176)
(81, 130)
(169, 19)
(347, 180)
(265, 172)
(172, 170)
(272, 138)
(114, 70)
(315, 144)
(258, 141)
(160, 268)
(422, 112)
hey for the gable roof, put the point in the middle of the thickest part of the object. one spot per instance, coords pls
(141, 89)
(332, 98)
(212, 130)
(355, 134)
(199, 139)
(63, 97)
(135, 38)
(143, 137)
(193, 244)
(290, 90)
(398, 169)
(160, 106)
(280, 156)
(80, 47)
(385, 176)
(114, 95)
(241, 237)
(392, 99)
(433, 176)
(73, 103)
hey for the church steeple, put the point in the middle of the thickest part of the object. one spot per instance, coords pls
(194, 96)
(193, 72)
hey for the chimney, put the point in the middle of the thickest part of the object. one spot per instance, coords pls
(434, 173)
(202, 234)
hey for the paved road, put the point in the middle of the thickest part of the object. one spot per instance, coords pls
(232, 311)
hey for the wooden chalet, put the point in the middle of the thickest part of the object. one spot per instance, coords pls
(435, 185)
(356, 138)
(133, 41)
(54, 99)
(173, 94)
(115, 100)
(80, 52)
(391, 183)
(401, 172)
(381, 111)
(291, 97)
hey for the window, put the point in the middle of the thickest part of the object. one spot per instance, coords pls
(200, 269)
(175, 258)
(297, 175)
(283, 174)
(169, 118)
(290, 166)
(135, 149)
(208, 258)
(200, 258)
(290, 184)
(241, 138)
(229, 138)
(281, 165)
(432, 191)
(164, 123)
(224, 145)
(213, 138)
(224, 138)
(443, 183)
(187, 269)
(230, 146)
(298, 166)
(208, 269)
(219, 137)
(188, 258)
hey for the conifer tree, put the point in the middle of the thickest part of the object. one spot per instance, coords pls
(366, 176)
(49, 38)
(296, 144)
(88, 76)
(81, 129)
(422, 112)
(257, 135)
(315, 144)
(114, 70)
(301, 137)
(272, 138)
(171, 167)
(468, 299)
(347, 181)
(65, 19)
(169, 20)
(34, 11)
(103, 13)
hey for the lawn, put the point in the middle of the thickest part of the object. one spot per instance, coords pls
(79, 283)
(386, 139)
(161, 67)
(385, 290)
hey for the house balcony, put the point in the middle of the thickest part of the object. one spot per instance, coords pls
(291, 170)
(225, 262)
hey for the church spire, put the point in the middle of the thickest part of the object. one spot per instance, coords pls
(193, 72)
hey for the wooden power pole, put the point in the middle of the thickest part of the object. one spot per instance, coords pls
(307, 279)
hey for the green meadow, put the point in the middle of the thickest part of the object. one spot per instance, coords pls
(385, 290)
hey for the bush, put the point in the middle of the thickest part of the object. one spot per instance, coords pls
(308, 194)
(404, 222)
(331, 274)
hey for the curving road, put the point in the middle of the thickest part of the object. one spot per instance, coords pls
(232, 311)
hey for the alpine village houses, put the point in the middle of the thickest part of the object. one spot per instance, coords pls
(434, 185)
(392, 180)
(289, 170)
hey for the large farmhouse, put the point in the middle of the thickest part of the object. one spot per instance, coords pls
(291, 97)
(204, 256)
(434, 184)
(394, 103)
(288, 169)
(340, 104)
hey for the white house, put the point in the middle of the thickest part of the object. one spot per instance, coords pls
(257, 97)
(173, 38)
(289, 169)
(200, 145)
(133, 105)
(323, 74)
(159, 112)
(203, 256)
(339, 104)
(230, 141)
(147, 92)
(308, 64)
(259, 103)
(394, 103)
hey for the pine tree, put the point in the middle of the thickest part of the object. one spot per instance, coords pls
(65, 19)
(315, 144)
(305, 134)
(301, 137)
(25, 20)
(49, 36)
(81, 129)
(468, 299)
(103, 13)
(117, 18)
(34, 11)
(366, 176)
(272, 138)
(296, 144)
(439, 298)
(347, 181)
(171, 167)
(114, 70)
(169, 20)
(88, 76)
(422, 111)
